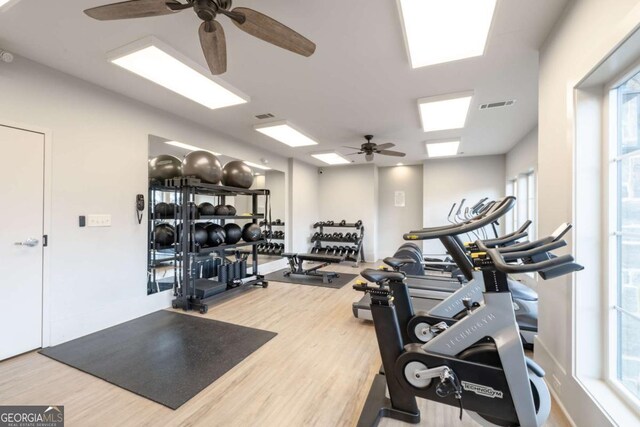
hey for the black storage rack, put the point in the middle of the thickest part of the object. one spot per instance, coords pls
(358, 243)
(187, 251)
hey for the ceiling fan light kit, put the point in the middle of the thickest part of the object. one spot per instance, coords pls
(369, 149)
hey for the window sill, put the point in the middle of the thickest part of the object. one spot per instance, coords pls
(610, 402)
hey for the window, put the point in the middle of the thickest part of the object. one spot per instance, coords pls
(531, 203)
(523, 187)
(625, 232)
(511, 220)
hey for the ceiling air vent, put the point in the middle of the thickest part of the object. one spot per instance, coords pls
(498, 104)
(264, 116)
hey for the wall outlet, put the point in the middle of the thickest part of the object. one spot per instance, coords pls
(99, 221)
(555, 382)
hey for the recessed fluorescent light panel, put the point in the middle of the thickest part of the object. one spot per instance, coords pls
(6, 4)
(155, 61)
(331, 158)
(189, 147)
(257, 166)
(438, 31)
(285, 133)
(444, 112)
(443, 149)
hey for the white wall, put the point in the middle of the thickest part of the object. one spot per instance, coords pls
(523, 157)
(446, 181)
(350, 193)
(99, 163)
(304, 207)
(275, 181)
(587, 33)
(394, 221)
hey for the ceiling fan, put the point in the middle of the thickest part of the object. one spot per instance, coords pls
(211, 33)
(370, 148)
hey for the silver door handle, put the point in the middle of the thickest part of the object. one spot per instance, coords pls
(29, 242)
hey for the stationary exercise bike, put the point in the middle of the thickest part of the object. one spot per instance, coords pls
(477, 364)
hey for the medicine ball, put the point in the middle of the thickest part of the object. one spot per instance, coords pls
(234, 233)
(222, 210)
(201, 236)
(217, 235)
(206, 209)
(237, 174)
(162, 210)
(251, 232)
(232, 210)
(203, 165)
(164, 167)
(164, 235)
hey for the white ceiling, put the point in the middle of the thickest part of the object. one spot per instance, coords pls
(359, 80)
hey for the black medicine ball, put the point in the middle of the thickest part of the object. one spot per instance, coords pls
(217, 235)
(222, 210)
(201, 236)
(164, 235)
(206, 209)
(163, 210)
(234, 233)
(251, 232)
(232, 210)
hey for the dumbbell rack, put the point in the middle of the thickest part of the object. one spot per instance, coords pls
(358, 243)
(268, 227)
(187, 250)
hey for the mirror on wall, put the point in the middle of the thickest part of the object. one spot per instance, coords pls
(164, 259)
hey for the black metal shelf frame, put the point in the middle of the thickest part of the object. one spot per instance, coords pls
(184, 191)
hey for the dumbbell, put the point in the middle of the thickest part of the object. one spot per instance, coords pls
(278, 221)
(343, 222)
(358, 224)
(329, 223)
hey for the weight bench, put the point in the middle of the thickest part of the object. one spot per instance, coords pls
(296, 261)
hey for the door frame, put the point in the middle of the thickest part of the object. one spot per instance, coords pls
(46, 222)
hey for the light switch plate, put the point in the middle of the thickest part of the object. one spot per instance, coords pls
(99, 220)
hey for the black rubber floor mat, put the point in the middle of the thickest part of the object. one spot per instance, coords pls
(337, 283)
(165, 356)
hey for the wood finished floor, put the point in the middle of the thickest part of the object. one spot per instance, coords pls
(316, 372)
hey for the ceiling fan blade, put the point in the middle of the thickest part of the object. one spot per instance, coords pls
(131, 9)
(353, 148)
(353, 154)
(369, 157)
(391, 153)
(271, 31)
(385, 146)
(214, 47)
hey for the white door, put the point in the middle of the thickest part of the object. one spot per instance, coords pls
(21, 229)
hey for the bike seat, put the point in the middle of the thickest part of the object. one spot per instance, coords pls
(396, 263)
(378, 276)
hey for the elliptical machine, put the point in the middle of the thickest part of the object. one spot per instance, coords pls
(477, 364)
